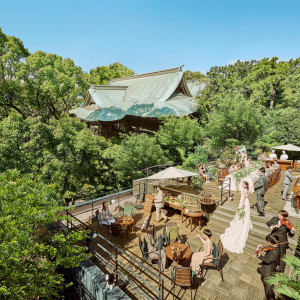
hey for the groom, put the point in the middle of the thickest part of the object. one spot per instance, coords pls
(260, 189)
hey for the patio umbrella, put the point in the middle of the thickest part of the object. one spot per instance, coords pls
(171, 173)
(288, 147)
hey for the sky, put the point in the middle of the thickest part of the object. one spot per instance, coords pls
(155, 35)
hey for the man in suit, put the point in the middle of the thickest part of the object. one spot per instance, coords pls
(281, 231)
(287, 179)
(260, 188)
(268, 265)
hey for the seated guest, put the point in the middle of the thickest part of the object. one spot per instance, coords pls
(202, 171)
(273, 155)
(106, 217)
(247, 163)
(198, 257)
(284, 156)
(275, 165)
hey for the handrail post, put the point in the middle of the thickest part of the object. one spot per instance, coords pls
(116, 270)
(222, 193)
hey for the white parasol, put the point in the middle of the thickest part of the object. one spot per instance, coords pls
(171, 173)
(288, 147)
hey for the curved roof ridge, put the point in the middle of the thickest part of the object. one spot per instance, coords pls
(167, 71)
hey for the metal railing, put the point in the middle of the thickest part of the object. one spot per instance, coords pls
(116, 262)
(225, 189)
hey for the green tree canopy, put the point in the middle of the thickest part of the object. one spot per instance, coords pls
(30, 254)
(63, 151)
(102, 75)
(194, 76)
(234, 121)
(179, 133)
(136, 152)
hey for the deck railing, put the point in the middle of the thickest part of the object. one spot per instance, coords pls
(114, 263)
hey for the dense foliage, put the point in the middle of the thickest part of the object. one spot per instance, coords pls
(102, 75)
(30, 254)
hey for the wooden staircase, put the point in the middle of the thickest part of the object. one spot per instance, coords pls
(224, 214)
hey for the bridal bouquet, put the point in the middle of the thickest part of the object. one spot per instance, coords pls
(241, 213)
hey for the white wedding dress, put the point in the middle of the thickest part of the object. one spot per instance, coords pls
(235, 236)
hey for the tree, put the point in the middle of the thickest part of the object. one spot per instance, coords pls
(50, 85)
(102, 75)
(281, 127)
(12, 51)
(234, 121)
(194, 76)
(136, 153)
(63, 152)
(184, 133)
(30, 253)
(40, 84)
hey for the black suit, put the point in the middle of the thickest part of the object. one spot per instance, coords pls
(268, 267)
(282, 233)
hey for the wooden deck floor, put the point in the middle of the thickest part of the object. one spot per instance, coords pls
(241, 280)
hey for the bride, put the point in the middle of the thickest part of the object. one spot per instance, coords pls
(235, 236)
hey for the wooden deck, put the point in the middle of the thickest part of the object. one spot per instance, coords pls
(241, 280)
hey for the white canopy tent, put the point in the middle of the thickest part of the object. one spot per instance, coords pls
(288, 147)
(172, 173)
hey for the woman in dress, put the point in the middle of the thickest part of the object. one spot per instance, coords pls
(106, 219)
(198, 257)
(235, 236)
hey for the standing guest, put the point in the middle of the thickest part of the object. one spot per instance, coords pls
(281, 231)
(107, 219)
(247, 163)
(270, 167)
(268, 171)
(237, 154)
(260, 189)
(159, 204)
(275, 165)
(198, 257)
(273, 155)
(287, 179)
(231, 168)
(242, 159)
(284, 156)
(268, 265)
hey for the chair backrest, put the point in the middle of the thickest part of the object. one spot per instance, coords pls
(128, 208)
(148, 204)
(220, 250)
(183, 276)
(116, 229)
(146, 222)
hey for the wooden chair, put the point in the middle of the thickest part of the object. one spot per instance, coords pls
(182, 277)
(144, 224)
(215, 265)
(117, 231)
(222, 174)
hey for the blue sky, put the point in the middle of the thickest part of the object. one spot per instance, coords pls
(158, 34)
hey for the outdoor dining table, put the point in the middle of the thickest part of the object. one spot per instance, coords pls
(126, 222)
(178, 252)
(191, 216)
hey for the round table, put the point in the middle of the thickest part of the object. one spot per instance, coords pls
(178, 252)
(126, 222)
(192, 216)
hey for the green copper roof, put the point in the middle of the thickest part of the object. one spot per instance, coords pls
(147, 95)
